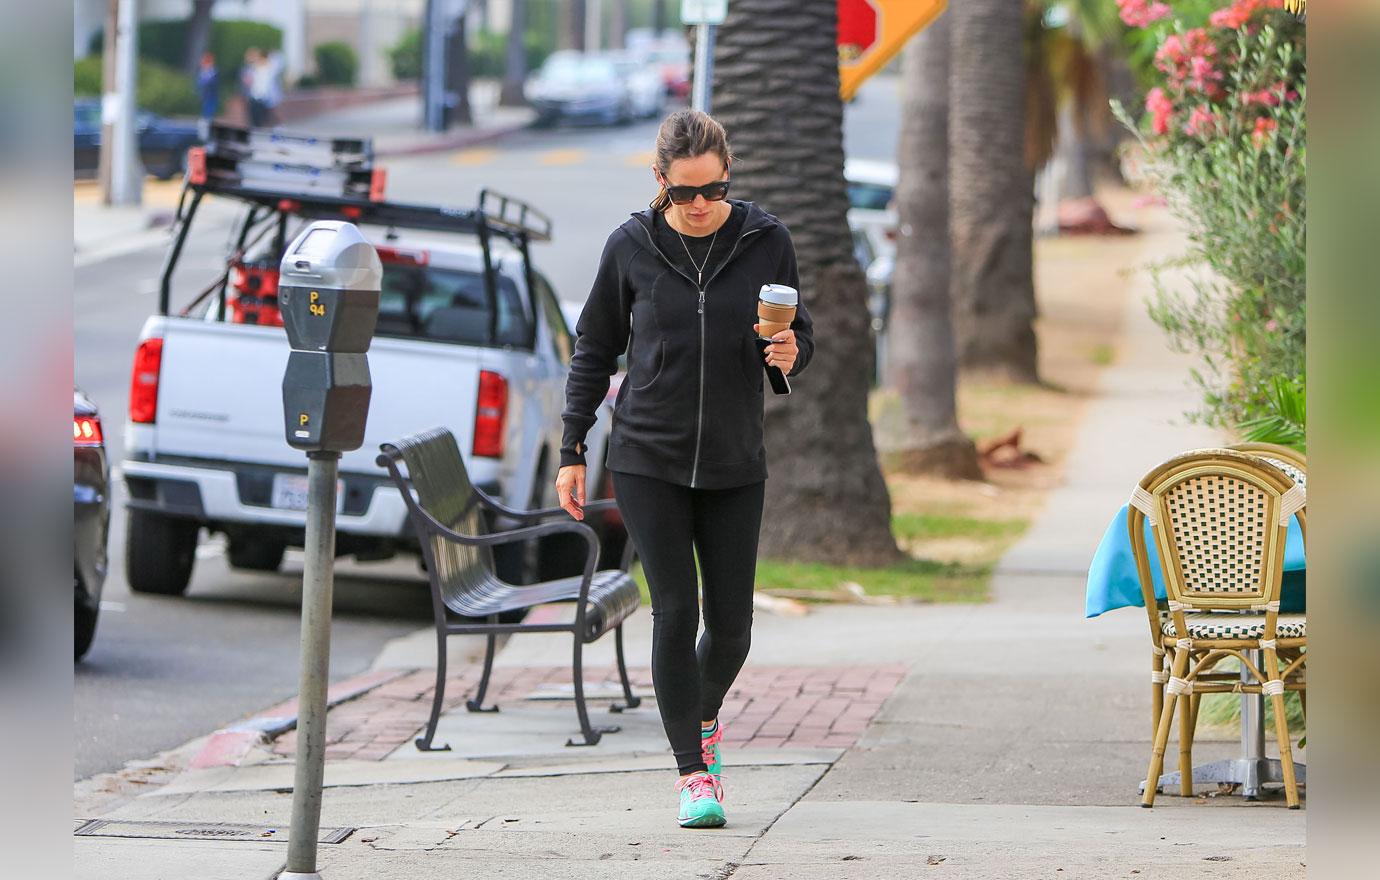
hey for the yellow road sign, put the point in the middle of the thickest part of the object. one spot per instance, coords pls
(871, 32)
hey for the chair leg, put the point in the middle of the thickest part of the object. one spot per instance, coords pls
(1188, 710)
(591, 734)
(1157, 666)
(477, 704)
(1286, 753)
(1152, 777)
(629, 700)
(424, 741)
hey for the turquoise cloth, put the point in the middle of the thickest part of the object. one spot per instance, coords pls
(1113, 583)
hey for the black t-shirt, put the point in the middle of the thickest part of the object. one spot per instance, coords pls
(671, 244)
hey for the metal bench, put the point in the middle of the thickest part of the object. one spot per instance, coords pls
(447, 514)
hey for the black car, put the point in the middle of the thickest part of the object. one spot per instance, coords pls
(90, 517)
(163, 142)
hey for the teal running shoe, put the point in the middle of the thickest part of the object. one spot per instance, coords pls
(700, 805)
(709, 746)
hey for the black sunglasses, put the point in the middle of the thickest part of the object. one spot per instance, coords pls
(712, 192)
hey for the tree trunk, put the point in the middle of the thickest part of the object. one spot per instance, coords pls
(458, 71)
(618, 23)
(198, 36)
(777, 93)
(991, 194)
(515, 66)
(572, 35)
(920, 328)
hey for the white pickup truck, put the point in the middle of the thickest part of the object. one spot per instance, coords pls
(469, 337)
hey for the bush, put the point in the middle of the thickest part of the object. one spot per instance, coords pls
(162, 89)
(336, 63)
(1226, 135)
(406, 56)
(164, 41)
(488, 54)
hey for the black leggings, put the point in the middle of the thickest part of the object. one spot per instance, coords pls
(667, 523)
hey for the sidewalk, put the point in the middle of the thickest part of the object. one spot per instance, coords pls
(1003, 740)
(101, 231)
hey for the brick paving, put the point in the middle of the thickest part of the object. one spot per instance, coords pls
(768, 707)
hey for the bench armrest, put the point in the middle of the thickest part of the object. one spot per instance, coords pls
(513, 513)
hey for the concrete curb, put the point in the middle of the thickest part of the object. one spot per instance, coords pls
(229, 746)
(458, 141)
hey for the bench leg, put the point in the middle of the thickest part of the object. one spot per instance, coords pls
(630, 701)
(591, 734)
(424, 741)
(477, 704)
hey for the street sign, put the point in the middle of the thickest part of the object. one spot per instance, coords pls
(871, 32)
(703, 11)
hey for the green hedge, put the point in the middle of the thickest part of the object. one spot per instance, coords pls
(488, 53)
(164, 41)
(336, 64)
(161, 89)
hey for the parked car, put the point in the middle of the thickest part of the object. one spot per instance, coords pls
(163, 142)
(871, 201)
(643, 82)
(90, 518)
(205, 444)
(579, 88)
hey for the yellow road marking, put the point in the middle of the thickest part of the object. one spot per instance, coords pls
(640, 160)
(475, 156)
(562, 157)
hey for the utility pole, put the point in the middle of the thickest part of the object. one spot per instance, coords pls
(706, 15)
(108, 100)
(126, 171)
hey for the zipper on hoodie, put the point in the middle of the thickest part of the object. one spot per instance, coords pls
(699, 416)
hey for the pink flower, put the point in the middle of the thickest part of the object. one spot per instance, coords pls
(1202, 122)
(1264, 127)
(1271, 325)
(1142, 13)
(1160, 108)
(1202, 75)
(1240, 12)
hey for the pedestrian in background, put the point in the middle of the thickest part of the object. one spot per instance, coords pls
(208, 90)
(257, 84)
(686, 450)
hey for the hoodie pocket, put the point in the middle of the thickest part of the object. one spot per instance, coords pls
(654, 370)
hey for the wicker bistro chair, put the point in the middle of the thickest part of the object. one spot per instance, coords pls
(457, 546)
(1219, 519)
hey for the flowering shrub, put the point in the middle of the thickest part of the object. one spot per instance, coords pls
(1224, 129)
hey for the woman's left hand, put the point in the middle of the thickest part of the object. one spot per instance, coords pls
(782, 351)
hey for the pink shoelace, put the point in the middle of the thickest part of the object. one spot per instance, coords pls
(700, 785)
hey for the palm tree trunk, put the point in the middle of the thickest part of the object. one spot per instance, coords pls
(777, 93)
(572, 33)
(991, 194)
(921, 343)
(618, 23)
(515, 58)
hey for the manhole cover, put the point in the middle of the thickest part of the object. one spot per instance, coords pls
(199, 831)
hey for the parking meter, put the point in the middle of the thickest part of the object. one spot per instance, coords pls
(328, 293)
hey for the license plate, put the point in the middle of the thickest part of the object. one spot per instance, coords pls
(290, 492)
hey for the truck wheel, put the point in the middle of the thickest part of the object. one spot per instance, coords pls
(253, 554)
(159, 553)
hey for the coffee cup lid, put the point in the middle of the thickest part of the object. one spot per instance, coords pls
(779, 294)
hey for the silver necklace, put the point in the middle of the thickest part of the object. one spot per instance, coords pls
(699, 269)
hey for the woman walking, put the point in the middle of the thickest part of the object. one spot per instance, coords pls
(677, 289)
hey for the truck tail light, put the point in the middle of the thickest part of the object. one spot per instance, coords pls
(143, 386)
(490, 415)
(86, 431)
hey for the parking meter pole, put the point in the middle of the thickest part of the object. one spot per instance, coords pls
(317, 586)
(702, 97)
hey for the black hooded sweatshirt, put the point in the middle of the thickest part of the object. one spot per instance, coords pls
(690, 409)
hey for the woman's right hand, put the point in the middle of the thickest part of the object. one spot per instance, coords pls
(570, 488)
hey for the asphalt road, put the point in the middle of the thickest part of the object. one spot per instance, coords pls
(165, 670)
